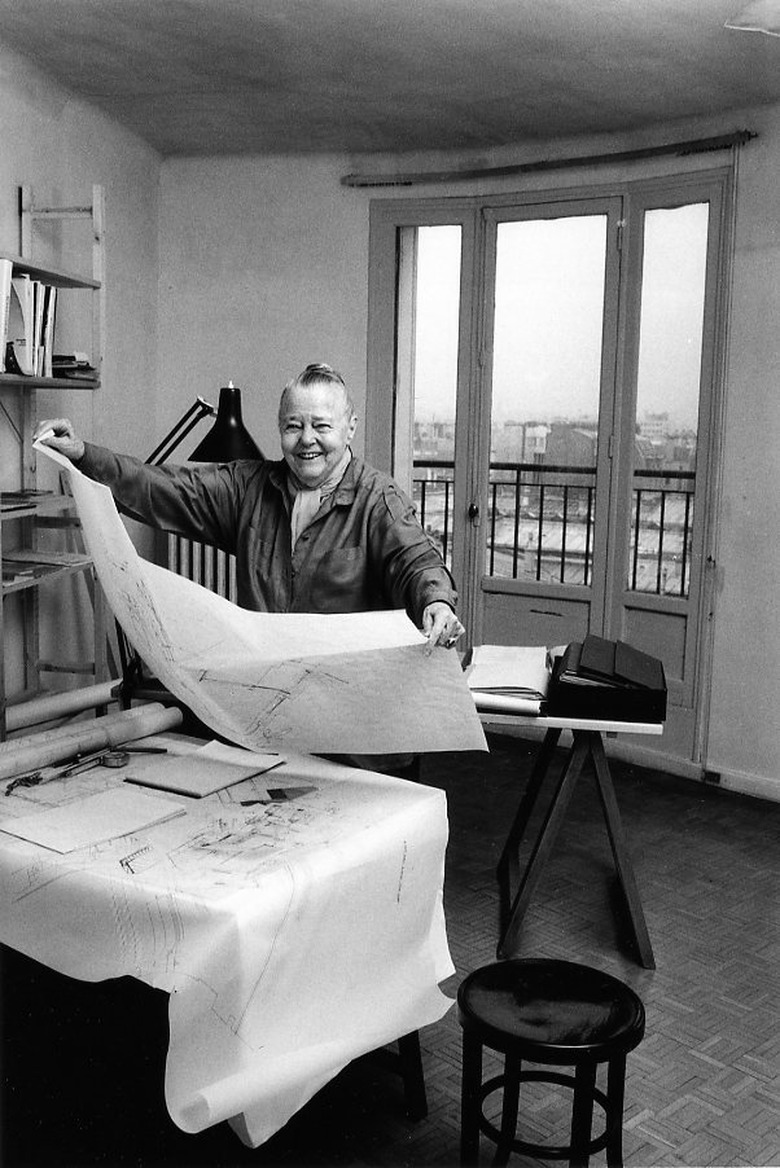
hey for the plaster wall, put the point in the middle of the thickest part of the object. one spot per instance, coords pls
(744, 727)
(263, 267)
(61, 147)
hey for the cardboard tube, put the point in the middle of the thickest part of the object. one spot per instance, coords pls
(48, 707)
(45, 736)
(51, 746)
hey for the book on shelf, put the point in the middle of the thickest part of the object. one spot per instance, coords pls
(42, 559)
(45, 355)
(17, 573)
(27, 320)
(6, 272)
(39, 308)
(24, 573)
(26, 497)
(20, 345)
(23, 567)
(75, 365)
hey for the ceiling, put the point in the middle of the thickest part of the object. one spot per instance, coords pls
(195, 77)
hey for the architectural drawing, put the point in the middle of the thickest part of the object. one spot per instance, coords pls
(331, 683)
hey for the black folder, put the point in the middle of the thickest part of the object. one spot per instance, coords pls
(611, 680)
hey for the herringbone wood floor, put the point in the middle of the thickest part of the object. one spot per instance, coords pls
(703, 1088)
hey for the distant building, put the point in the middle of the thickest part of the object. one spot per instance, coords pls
(654, 426)
(434, 440)
(520, 442)
(571, 445)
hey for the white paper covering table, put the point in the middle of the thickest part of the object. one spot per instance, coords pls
(292, 936)
(516, 886)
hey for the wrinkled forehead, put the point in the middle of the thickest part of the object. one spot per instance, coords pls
(320, 399)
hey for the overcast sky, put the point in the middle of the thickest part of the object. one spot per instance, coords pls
(548, 319)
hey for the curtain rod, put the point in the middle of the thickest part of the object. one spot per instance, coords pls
(694, 146)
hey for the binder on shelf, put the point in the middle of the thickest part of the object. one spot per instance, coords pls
(598, 678)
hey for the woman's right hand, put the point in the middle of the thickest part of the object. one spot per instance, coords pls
(60, 435)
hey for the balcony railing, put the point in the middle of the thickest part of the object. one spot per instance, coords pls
(541, 522)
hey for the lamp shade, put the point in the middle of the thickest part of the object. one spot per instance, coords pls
(228, 439)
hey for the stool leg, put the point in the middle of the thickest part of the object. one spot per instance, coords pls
(616, 1087)
(413, 1077)
(512, 1068)
(582, 1114)
(470, 1102)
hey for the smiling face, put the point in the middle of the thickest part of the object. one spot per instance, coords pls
(315, 426)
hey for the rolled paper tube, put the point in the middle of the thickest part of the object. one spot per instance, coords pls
(51, 746)
(59, 705)
(505, 704)
(69, 731)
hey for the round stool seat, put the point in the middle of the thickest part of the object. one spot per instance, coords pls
(551, 1011)
(558, 1013)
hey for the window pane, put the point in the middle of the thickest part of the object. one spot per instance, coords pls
(433, 257)
(549, 300)
(668, 381)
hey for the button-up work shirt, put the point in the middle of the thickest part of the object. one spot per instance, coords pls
(364, 550)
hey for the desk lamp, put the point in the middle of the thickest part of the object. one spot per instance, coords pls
(227, 440)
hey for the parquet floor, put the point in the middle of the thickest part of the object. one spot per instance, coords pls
(702, 1089)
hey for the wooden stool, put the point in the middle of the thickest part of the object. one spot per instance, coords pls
(556, 1013)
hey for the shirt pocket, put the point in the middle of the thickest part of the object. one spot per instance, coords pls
(340, 581)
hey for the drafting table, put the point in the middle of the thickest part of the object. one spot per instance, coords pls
(516, 887)
(292, 936)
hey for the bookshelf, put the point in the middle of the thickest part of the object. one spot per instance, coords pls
(40, 542)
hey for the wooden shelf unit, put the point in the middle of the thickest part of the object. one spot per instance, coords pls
(23, 521)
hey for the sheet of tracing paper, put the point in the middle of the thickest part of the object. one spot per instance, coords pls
(344, 683)
(292, 937)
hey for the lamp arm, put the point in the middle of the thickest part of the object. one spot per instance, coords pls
(179, 431)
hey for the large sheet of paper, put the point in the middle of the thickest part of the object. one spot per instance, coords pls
(344, 683)
(292, 937)
(106, 815)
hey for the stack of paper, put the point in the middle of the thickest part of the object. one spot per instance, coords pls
(509, 678)
(210, 769)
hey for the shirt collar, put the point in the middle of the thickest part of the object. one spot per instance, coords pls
(344, 492)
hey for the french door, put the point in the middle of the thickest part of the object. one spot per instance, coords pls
(542, 379)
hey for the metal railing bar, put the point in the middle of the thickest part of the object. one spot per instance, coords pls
(445, 539)
(659, 569)
(540, 535)
(516, 540)
(564, 524)
(686, 537)
(493, 510)
(637, 521)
